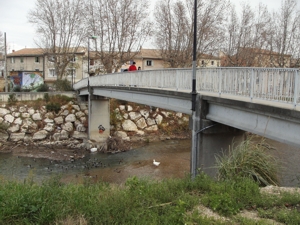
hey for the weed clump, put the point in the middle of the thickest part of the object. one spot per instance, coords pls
(249, 159)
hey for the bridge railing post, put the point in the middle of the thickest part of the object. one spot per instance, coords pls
(296, 88)
(177, 80)
(252, 84)
(220, 82)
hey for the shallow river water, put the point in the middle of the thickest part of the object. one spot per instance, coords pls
(174, 156)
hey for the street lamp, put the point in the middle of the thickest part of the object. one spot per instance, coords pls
(94, 38)
(194, 96)
(89, 118)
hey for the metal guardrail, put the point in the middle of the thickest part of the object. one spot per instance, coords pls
(271, 84)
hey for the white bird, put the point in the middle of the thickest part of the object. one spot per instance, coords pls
(93, 149)
(155, 163)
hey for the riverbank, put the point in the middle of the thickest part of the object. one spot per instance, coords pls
(171, 201)
(62, 150)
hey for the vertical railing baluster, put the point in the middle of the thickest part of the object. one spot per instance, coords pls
(220, 82)
(296, 88)
(177, 82)
(252, 84)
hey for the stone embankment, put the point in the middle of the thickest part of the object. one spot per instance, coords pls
(24, 125)
(136, 123)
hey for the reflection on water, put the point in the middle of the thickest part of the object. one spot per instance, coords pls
(174, 156)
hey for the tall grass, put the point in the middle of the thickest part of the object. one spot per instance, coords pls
(138, 201)
(249, 159)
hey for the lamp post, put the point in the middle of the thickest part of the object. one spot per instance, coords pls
(89, 118)
(5, 64)
(94, 38)
(194, 157)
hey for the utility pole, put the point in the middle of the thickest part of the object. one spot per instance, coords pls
(5, 63)
(194, 96)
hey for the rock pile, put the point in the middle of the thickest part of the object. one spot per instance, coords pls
(68, 128)
(141, 121)
(26, 124)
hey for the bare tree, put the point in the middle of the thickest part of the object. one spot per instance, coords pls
(212, 16)
(121, 28)
(60, 30)
(285, 33)
(1, 42)
(174, 33)
(2, 57)
(246, 36)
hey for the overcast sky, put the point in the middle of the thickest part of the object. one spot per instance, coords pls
(20, 33)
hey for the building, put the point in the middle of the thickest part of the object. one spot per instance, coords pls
(206, 60)
(146, 59)
(151, 59)
(255, 57)
(30, 67)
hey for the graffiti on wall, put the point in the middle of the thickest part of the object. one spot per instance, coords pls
(26, 80)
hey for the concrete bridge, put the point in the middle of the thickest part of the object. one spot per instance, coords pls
(229, 101)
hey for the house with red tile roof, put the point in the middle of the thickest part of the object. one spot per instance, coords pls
(32, 66)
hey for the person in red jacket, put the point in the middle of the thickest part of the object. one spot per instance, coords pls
(132, 67)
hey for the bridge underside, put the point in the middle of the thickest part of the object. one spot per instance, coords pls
(274, 123)
(268, 121)
(170, 100)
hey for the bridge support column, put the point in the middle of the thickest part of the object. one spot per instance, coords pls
(213, 139)
(99, 119)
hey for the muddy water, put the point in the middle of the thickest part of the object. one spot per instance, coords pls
(289, 159)
(174, 156)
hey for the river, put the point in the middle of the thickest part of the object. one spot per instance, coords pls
(173, 155)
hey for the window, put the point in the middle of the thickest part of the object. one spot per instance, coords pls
(51, 58)
(73, 59)
(149, 63)
(92, 62)
(52, 73)
(212, 63)
(72, 72)
(12, 60)
(202, 62)
(37, 59)
(21, 60)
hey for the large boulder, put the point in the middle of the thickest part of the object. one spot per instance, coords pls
(141, 123)
(70, 118)
(128, 125)
(17, 137)
(40, 135)
(79, 135)
(3, 112)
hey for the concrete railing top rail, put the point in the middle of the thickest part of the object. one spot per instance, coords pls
(269, 84)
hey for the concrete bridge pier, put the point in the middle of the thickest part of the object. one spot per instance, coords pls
(99, 119)
(212, 139)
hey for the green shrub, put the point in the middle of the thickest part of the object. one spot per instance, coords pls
(26, 89)
(43, 88)
(229, 196)
(53, 107)
(46, 97)
(17, 88)
(12, 99)
(251, 160)
(63, 85)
